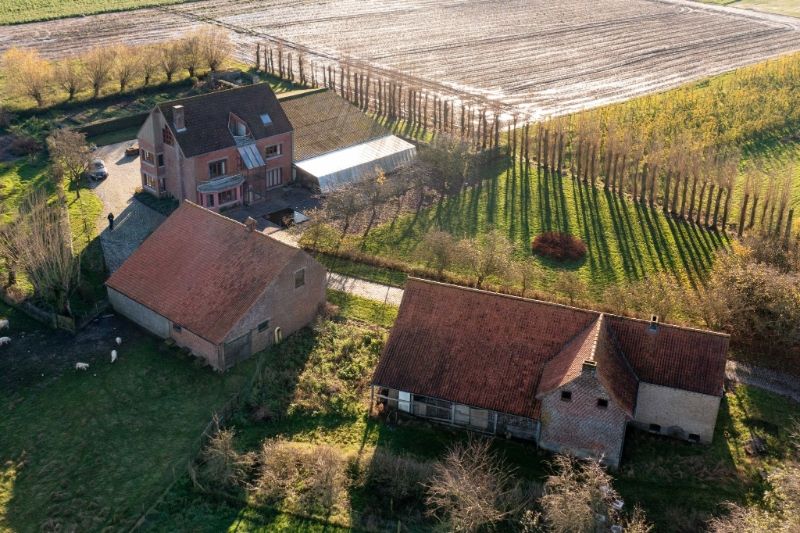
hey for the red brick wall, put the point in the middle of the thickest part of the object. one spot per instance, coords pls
(579, 427)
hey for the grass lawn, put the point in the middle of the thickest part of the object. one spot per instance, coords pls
(355, 269)
(17, 11)
(625, 240)
(94, 449)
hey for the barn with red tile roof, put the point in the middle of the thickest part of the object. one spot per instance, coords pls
(216, 286)
(571, 379)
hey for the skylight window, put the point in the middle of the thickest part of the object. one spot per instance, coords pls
(266, 119)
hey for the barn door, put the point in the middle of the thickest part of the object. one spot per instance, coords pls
(237, 350)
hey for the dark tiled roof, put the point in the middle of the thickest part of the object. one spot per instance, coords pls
(671, 356)
(201, 270)
(498, 352)
(481, 349)
(324, 122)
(206, 117)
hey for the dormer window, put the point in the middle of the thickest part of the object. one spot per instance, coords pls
(266, 119)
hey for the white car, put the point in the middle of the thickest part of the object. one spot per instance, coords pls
(97, 170)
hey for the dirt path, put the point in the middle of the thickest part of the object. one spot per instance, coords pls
(533, 56)
(763, 378)
(365, 289)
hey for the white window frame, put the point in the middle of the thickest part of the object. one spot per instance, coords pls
(271, 175)
(224, 162)
(404, 401)
(278, 153)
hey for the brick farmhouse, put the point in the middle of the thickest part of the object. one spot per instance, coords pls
(570, 379)
(216, 286)
(219, 150)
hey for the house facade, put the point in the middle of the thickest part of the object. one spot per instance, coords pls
(218, 150)
(217, 287)
(572, 380)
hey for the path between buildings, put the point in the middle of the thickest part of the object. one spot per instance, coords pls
(763, 378)
(365, 289)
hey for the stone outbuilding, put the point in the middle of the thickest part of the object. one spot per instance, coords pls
(570, 379)
(217, 287)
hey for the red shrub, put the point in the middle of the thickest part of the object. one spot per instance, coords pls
(559, 246)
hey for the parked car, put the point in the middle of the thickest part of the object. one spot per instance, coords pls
(97, 170)
(132, 150)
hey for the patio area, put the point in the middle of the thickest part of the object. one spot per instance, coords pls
(292, 197)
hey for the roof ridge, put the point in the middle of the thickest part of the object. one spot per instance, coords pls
(504, 295)
(202, 95)
(564, 306)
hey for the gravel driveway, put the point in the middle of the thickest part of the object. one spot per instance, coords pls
(133, 221)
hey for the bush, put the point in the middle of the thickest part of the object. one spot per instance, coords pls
(559, 246)
(221, 466)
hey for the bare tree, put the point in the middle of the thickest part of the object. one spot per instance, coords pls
(99, 66)
(169, 58)
(570, 285)
(126, 65)
(438, 250)
(216, 47)
(487, 256)
(27, 74)
(70, 77)
(43, 241)
(70, 155)
(343, 204)
(471, 488)
(149, 63)
(527, 272)
(193, 51)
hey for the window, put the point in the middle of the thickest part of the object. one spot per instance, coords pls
(166, 136)
(151, 182)
(209, 200)
(602, 403)
(273, 150)
(299, 278)
(161, 160)
(266, 119)
(148, 157)
(694, 437)
(263, 326)
(227, 196)
(566, 396)
(655, 428)
(274, 177)
(217, 168)
(177, 328)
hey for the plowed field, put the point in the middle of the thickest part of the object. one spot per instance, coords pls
(537, 56)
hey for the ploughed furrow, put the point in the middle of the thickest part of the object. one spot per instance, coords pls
(533, 56)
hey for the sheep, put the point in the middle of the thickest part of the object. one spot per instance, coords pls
(5, 340)
(118, 340)
(81, 366)
(4, 324)
(113, 355)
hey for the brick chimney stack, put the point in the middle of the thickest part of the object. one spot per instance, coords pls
(250, 224)
(178, 118)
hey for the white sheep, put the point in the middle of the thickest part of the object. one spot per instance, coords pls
(5, 340)
(4, 323)
(81, 366)
(113, 355)
(118, 340)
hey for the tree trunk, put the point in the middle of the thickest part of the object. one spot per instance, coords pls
(560, 152)
(743, 213)
(674, 207)
(691, 212)
(683, 196)
(594, 164)
(653, 175)
(699, 217)
(788, 233)
(753, 212)
(667, 181)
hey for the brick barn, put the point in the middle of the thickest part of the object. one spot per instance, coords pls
(569, 379)
(216, 286)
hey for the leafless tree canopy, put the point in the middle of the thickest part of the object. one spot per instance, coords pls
(27, 74)
(70, 155)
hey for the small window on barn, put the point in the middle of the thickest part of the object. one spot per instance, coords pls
(299, 278)
(263, 326)
(694, 437)
(602, 403)
(177, 328)
(566, 396)
(655, 428)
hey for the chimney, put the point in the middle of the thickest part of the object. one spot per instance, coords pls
(178, 119)
(250, 224)
(589, 368)
(653, 323)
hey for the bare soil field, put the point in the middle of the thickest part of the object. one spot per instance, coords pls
(534, 56)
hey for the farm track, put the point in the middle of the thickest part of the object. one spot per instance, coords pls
(532, 56)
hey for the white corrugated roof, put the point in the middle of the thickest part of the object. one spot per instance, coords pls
(356, 162)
